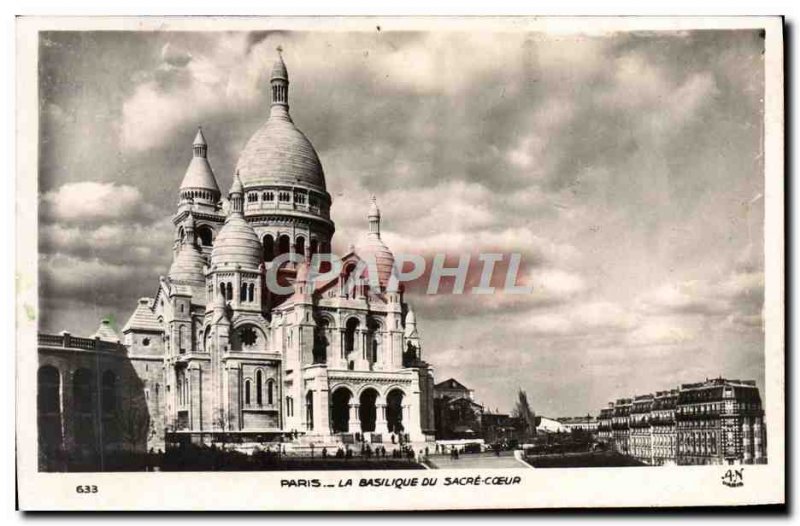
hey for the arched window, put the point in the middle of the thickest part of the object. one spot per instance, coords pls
(350, 335)
(251, 292)
(247, 392)
(182, 339)
(109, 392)
(314, 247)
(229, 291)
(374, 341)
(300, 245)
(205, 235)
(310, 410)
(269, 248)
(283, 244)
(259, 388)
(222, 290)
(49, 387)
(243, 292)
(270, 392)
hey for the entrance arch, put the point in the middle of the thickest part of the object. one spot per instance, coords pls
(394, 411)
(367, 412)
(340, 410)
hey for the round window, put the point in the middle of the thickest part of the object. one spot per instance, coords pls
(146, 342)
(248, 336)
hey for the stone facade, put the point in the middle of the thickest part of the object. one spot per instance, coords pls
(217, 351)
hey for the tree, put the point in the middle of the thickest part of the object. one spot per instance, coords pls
(222, 423)
(525, 415)
(131, 421)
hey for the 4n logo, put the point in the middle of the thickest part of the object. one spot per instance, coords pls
(733, 478)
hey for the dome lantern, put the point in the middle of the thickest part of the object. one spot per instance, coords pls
(279, 78)
(373, 250)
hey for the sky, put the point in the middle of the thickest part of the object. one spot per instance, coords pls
(625, 168)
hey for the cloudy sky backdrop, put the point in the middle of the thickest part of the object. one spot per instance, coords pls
(625, 168)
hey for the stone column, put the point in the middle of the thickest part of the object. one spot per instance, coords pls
(233, 414)
(354, 425)
(67, 410)
(321, 408)
(381, 426)
(362, 360)
(340, 362)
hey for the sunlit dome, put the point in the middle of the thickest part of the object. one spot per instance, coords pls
(279, 153)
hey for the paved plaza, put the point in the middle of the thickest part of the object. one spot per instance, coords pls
(506, 460)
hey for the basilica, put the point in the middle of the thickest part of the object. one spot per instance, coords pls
(214, 350)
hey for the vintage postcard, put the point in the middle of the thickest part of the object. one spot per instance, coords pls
(399, 263)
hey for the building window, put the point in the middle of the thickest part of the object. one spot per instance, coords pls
(270, 394)
(259, 387)
(145, 342)
(247, 392)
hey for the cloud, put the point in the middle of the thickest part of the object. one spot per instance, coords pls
(113, 243)
(93, 202)
(620, 166)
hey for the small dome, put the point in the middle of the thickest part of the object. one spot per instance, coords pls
(236, 244)
(279, 153)
(199, 175)
(373, 248)
(106, 331)
(188, 265)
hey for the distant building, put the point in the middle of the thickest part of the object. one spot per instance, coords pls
(716, 421)
(662, 427)
(604, 430)
(456, 414)
(720, 422)
(586, 423)
(500, 427)
(620, 424)
(452, 388)
(549, 425)
(640, 438)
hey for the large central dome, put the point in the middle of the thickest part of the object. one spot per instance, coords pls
(279, 153)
